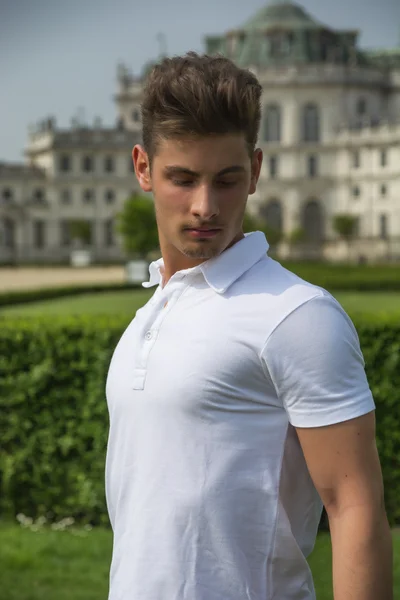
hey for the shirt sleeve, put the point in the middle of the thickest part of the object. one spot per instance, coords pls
(316, 365)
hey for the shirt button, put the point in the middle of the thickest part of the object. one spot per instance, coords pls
(148, 335)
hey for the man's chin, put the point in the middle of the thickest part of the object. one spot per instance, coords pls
(201, 253)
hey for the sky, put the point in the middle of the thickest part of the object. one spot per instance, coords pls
(58, 58)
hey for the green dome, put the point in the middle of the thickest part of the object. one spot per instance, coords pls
(282, 15)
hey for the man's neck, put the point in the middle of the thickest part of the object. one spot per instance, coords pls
(175, 261)
(171, 267)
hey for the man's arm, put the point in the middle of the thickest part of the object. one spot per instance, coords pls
(315, 362)
(344, 465)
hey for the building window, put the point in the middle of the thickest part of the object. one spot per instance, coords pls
(356, 159)
(9, 233)
(136, 115)
(65, 196)
(383, 227)
(383, 190)
(109, 164)
(39, 234)
(65, 163)
(87, 164)
(311, 123)
(274, 45)
(88, 196)
(7, 194)
(356, 191)
(280, 44)
(109, 233)
(91, 233)
(272, 214)
(312, 166)
(288, 43)
(313, 221)
(65, 233)
(383, 158)
(273, 166)
(361, 107)
(39, 195)
(356, 226)
(109, 196)
(273, 123)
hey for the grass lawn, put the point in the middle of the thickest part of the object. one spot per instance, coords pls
(57, 565)
(127, 302)
(50, 565)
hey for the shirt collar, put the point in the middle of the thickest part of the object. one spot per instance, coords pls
(223, 270)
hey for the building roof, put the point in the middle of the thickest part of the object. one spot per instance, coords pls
(284, 33)
(19, 170)
(282, 15)
(112, 137)
(85, 138)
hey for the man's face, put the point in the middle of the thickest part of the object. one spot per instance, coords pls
(200, 188)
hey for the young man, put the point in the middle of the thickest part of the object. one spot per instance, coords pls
(237, 396)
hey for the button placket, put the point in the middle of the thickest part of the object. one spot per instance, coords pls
(150, 330)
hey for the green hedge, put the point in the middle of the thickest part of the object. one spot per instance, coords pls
(25, 296)
(336, 277)
(54, 418)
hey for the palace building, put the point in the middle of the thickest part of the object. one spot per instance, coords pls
(330, 135)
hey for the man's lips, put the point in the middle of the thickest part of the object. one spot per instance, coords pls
(203, 231)
(216, 228)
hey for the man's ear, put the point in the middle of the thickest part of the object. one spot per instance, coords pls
(142, 167)
(255, 169)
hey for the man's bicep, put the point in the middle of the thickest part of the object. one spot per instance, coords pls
(343, 463)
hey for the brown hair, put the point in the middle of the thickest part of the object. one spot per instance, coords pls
(193, 96)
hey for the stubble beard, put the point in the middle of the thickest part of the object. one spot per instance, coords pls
(205, 252)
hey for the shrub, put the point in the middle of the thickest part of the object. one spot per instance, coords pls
(381, 348)
(338, 277)
(54, 418)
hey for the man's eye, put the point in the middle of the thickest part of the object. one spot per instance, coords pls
(226, 184)
(182, 182)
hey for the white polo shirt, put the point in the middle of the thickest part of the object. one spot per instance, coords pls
(207, 488)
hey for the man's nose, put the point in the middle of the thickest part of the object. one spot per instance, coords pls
(205, 203)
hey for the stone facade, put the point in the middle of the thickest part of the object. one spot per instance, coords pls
(82, 174)
(330, 134)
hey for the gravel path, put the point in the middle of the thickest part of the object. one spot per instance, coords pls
(12, 279)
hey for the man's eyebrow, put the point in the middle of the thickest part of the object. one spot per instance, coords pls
(176, 169)
(233, 169)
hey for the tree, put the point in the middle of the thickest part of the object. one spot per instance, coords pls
(345, 225)
(296, 236)
(138, 227)
(251, 223)
(80, 232)
(274, 236)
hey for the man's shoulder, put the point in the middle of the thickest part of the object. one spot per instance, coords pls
(268, 293)
(270, 277)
